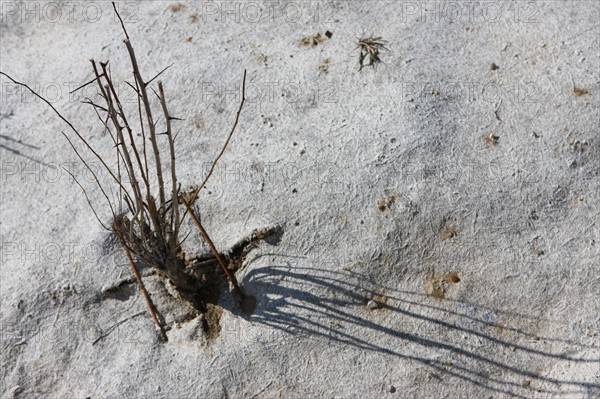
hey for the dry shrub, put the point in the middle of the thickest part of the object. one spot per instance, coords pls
(151, 208)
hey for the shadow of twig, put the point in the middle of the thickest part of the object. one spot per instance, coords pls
(9, 144)
(406, 320)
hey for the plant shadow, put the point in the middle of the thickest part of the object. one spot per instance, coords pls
(17, 147)
(447, 337)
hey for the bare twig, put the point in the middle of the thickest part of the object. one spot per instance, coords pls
(158, 74)
(235, 123)
(90, 148)
(83, 85)
(112, 112)
(151, 126)
(139, 103)
(123, 117)
(93, 174)
(204, 234)
(175, 213)
(112, 328)
(120, 19)
(117, 228)
(111, 98)
(194, 196)
(87, 198)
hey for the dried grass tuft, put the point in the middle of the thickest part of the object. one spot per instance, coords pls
(146, 218)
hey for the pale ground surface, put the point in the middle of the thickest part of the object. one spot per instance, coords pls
(319, 150)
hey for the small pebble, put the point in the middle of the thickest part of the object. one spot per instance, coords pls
(392, 389)
(372, 305)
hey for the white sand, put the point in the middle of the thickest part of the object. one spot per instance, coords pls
(320, 148)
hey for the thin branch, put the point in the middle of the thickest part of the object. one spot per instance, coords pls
(142, 91)
(106, 92)
(121, 20)
(235, 123)
(93, 174)
(112, 328)
(122, 114)
(204, 234)
(41, 98)
(134, 182)
(158, 74)
(142, 87)
(139, 102)
(237, 117)
(87, 199)
(122, 189)
(175, 212)
(89, 147)
(83, 85)
(134, 89)
(117, 229)
(93, 104)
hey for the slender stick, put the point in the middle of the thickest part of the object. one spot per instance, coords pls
(121, 143)
(144, 94)
(87, 198)
(212, 167)
(124, 118)
(88, 146)
(204, 234)
(117, 228)
(150, 120)
(112, 210)
(237, 117)
(139, 103)
(111, 99)
(123, 192)
(175, 212)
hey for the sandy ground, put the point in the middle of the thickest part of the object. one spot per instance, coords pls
(456, 186)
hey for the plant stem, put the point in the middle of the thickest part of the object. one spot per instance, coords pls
(119, 233)
(204, 234)
(174, 204)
